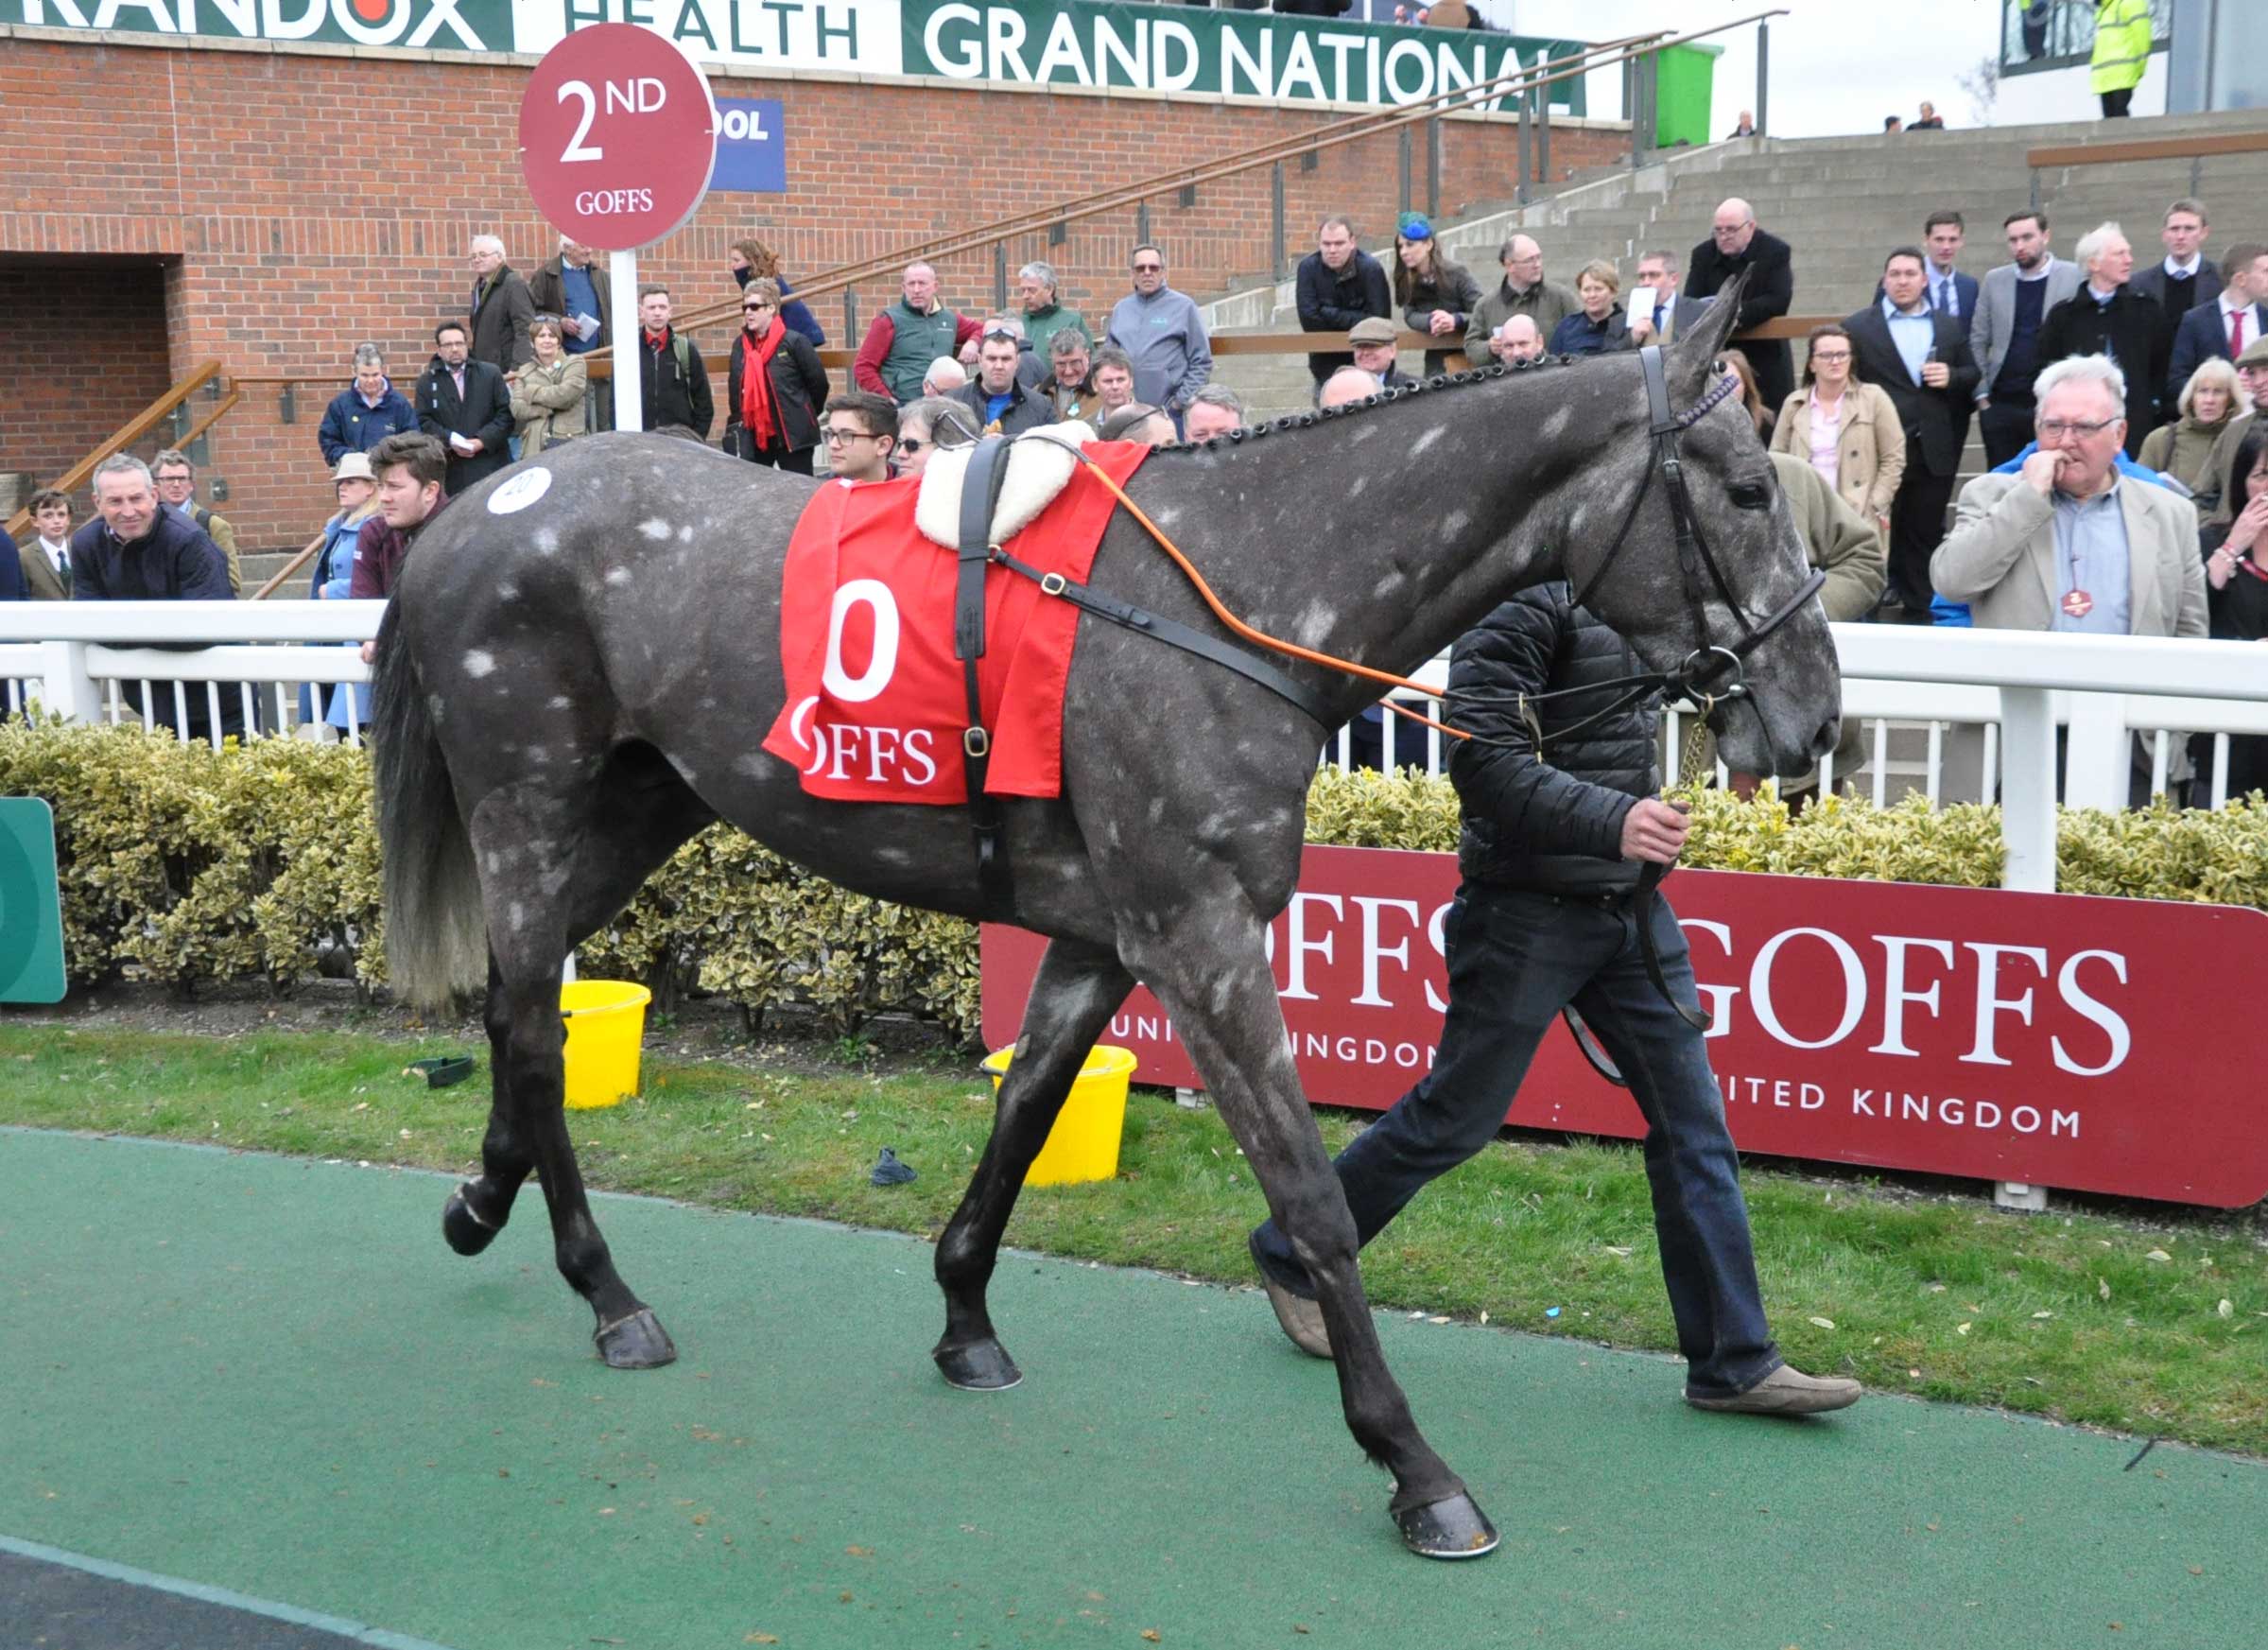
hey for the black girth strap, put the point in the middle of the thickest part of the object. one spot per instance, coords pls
(1174, 633)
(980, 494)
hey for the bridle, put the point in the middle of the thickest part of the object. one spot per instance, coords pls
(1696, 678)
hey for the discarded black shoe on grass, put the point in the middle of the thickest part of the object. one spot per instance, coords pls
(889, 1170)
(441, 1070)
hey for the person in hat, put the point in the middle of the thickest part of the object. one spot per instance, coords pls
(1436, 294)
(356, 485)
(1374, 341)
(1339, 285)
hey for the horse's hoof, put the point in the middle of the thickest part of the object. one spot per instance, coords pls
(636, 1342)
(462, 1228)
(1454, 1528)
(980, 1367)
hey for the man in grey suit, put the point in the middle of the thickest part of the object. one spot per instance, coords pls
(2067, 544)
(1672, 312)
(2013, 301)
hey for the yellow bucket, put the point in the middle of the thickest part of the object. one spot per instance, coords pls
(1083, 1144)
(606, 1023)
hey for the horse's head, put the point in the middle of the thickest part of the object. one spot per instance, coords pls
(1680, 540)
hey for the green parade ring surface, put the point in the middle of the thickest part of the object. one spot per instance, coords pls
(269, 1376)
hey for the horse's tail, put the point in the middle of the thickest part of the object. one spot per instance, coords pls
(436, 937)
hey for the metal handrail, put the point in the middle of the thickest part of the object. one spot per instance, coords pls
(133, 431)
(1353, 128)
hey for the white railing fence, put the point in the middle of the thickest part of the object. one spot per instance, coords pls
(1951, 714)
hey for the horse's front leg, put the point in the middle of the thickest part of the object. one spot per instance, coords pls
(1212, 974)
(1077, 990)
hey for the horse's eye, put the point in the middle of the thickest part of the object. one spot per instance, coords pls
(1752, 495)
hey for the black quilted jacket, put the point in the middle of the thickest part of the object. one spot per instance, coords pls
(1549, 821)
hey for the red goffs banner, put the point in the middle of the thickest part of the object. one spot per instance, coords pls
(2059, 1039)
(875, 700)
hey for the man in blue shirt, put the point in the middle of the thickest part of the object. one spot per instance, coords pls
(997, 396)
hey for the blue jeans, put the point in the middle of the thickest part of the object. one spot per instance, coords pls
(1514, 959)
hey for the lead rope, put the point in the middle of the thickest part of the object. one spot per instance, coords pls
(1692, 754)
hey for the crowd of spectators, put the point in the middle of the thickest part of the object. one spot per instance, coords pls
(2091, 382)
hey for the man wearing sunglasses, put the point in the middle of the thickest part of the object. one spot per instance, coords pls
(1162, 336)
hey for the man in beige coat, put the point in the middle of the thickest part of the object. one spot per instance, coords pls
(2067, 543)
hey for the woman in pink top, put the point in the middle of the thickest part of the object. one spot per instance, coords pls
(1848, 432)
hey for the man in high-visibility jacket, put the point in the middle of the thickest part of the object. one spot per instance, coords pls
(2121, 52)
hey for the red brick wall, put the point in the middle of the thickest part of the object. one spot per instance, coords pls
(82, 349)
(314, 202)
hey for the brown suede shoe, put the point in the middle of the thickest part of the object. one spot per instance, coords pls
(1301, 1320)
(1787, 1391)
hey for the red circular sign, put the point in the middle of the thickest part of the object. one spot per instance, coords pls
(617, 136)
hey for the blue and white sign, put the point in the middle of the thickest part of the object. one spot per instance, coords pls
(751, 147)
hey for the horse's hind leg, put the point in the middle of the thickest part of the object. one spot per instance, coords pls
(477, 1210)
(1075, 993)
(560, 871)
(1223, 999)
(650, 812)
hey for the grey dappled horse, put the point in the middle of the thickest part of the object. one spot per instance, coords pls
(571, 685)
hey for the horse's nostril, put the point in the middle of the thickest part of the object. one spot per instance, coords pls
(1824, 740)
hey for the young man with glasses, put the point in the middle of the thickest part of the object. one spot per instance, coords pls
(1162, 336)
(860, 432)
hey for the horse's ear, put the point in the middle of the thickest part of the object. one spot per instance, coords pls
(1692, 357)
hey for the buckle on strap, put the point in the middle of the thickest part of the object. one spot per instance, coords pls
(1054, 583)
(976, 745)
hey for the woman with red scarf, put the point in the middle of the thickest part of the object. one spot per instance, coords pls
(776, 388)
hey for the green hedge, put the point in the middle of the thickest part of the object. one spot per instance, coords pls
(186, 865)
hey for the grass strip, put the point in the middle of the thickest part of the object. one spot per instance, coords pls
(2071, 1315)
